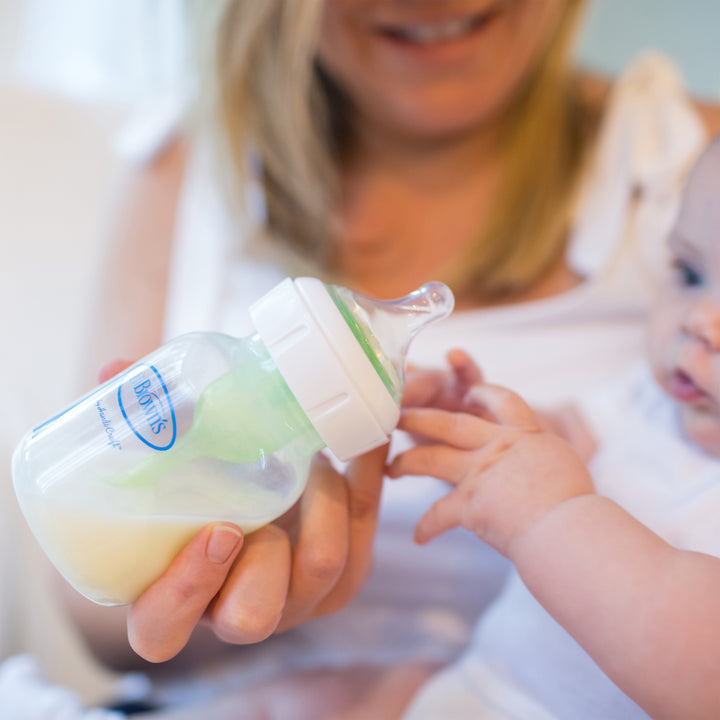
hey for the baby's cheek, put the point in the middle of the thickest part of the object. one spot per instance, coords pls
(659, 339)
(702, 428)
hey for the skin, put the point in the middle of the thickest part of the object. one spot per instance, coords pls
(426, 125)
(685, 334)
(644, 610)
(311, 562)
(408, 93)
(315, 561)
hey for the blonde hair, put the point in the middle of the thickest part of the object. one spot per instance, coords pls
(547, 136)
(268, 93)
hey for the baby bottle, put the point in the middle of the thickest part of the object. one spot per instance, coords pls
(210, 427)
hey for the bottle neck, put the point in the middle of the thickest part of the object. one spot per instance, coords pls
(330, 373)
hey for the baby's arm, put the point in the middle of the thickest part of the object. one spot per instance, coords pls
(645, 611)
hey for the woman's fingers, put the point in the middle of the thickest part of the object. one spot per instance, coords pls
(364, 481)
(270, 585)
(162, 619)
(250, 604)
(364, 476)
(111, 369)
(320, 551)
(280, 587)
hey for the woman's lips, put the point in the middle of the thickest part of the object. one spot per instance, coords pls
(436, 32)
(684, 388)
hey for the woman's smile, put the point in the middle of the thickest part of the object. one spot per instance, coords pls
(433, 68)
(434, 32)
(443, 39)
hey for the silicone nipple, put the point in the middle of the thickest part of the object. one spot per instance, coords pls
(385, 328)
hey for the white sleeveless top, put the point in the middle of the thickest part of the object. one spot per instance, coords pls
(423, 601)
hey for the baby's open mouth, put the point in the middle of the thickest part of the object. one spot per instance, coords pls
(684, 388)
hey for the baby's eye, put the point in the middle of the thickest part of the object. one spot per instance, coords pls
(687, 275)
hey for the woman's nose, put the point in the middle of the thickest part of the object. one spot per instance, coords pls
(703, 323)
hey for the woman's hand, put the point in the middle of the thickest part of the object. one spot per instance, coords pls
(309, 563)
(248, 588)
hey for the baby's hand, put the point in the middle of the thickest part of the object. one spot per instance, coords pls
(442, 389)
(507, 472)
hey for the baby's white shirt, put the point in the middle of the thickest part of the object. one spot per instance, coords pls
(519, 653)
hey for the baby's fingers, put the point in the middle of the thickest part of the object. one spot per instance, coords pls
(505, 406)
(466, 371)
(438, 461)
(461, 430)
(422, 386)
(442, 516)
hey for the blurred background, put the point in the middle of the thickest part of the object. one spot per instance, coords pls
(122, 52)
(86, 86)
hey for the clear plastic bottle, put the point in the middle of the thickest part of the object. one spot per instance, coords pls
(211, 427)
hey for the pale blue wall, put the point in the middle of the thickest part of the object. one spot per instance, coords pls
(615, 31)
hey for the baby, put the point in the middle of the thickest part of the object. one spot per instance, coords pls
(613, 607)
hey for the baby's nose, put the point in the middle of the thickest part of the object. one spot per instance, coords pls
(703, 323)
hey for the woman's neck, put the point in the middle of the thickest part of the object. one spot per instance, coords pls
(410, 208)
(440, 161)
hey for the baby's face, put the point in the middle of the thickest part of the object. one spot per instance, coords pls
(684, 337)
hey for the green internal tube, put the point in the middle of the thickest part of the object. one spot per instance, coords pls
(242, 416)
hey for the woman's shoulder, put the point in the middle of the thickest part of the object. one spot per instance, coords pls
(167, 163)
(594, 90)
(136, 263)
(710, 115)
(151, 194)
